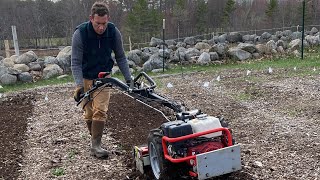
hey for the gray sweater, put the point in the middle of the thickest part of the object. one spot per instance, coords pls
(77, 55)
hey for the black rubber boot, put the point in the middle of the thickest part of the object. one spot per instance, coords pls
(89, 125)
(97, 130)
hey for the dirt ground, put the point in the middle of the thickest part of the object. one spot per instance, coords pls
(274, 117)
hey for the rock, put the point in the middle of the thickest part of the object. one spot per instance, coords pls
(181, 44)
(157, 70)
(271, 45)
(222, 38)
(256, 55)
(266, 36)
(7, 79)
(171, 42)
(115, 70)
(190, 41)
(8, 62)
(234, 37)
(295, 44)
(64, 59)
(21, 67)
(131, 64)
(134, 56)
(296, 35)
(313, 40)
(191, 52)
(63, 76)
(261, 48)
(239, 54)
(257, 164)
(202, 45)
(26, 58)
(25, 77)
(204, 58)
(220, 48)
(313, 31)
(34, 66)
(51, 70)
(155, 62)
(3, 70)
(50, 60)
(14, 57)
(287, 33)
(165, 53)
(247, 47)
(213, 56)
(154, 42)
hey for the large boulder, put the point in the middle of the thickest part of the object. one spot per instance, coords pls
(154, 62)
(50, 60)
(21, 67)
(313, 40)
(247, 47)
(202, 45)
(234, 37)
(51, 70)
(26, 58)
(204, 58)
(64, 59)
(8, 62)
(35, 66)
(7, 79)
(220, 48)
(25, 77)
(239, 54)
(134, 56)
(191, 52)
(190, 41)
(261, 48)
(154, 42)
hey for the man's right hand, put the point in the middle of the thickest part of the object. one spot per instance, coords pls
(78, 93)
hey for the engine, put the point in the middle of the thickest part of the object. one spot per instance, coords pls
(189, 125)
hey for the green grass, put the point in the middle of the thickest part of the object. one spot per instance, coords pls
(22, 86)
(58, 171)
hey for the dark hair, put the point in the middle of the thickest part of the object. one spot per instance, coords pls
(99, 8)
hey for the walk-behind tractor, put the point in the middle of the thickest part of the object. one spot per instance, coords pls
(191, 144)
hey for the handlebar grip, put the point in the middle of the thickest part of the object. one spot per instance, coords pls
(103, 74)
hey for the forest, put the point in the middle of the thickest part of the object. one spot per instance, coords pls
(142, 19)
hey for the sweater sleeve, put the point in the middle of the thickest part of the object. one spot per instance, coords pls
(120, 56)
(76, 58)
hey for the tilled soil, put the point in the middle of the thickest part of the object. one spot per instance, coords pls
(274, 117)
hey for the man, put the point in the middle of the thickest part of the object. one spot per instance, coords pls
(92, 45)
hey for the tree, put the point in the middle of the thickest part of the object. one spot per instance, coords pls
(271, 11)
(143, 21)
(228, 10)
(201, 16)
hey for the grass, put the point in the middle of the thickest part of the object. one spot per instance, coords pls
(304, 68)
(22, 86)
(58, 171)
(72, 153)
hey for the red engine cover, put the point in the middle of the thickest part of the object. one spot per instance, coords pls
(202, 148)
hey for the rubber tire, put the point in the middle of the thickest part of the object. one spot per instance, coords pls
(165, 167)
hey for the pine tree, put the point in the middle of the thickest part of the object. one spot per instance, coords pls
(143, 21)
(229, 8)
(201, 16)
(272, 8)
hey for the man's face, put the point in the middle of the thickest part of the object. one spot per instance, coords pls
(99, 23)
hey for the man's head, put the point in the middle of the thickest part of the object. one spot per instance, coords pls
(99, 17)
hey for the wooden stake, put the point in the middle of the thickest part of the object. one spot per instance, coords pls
(7, 48)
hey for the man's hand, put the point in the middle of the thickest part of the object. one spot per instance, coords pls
(77, 93)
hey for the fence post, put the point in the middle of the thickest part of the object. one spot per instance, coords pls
(15, 40)
(130, 45)
(7, 48)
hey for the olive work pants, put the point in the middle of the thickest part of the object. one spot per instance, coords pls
(97, 108)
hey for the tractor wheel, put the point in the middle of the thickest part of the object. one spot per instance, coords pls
(162, 169)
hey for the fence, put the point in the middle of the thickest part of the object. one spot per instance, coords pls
(58, 43)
